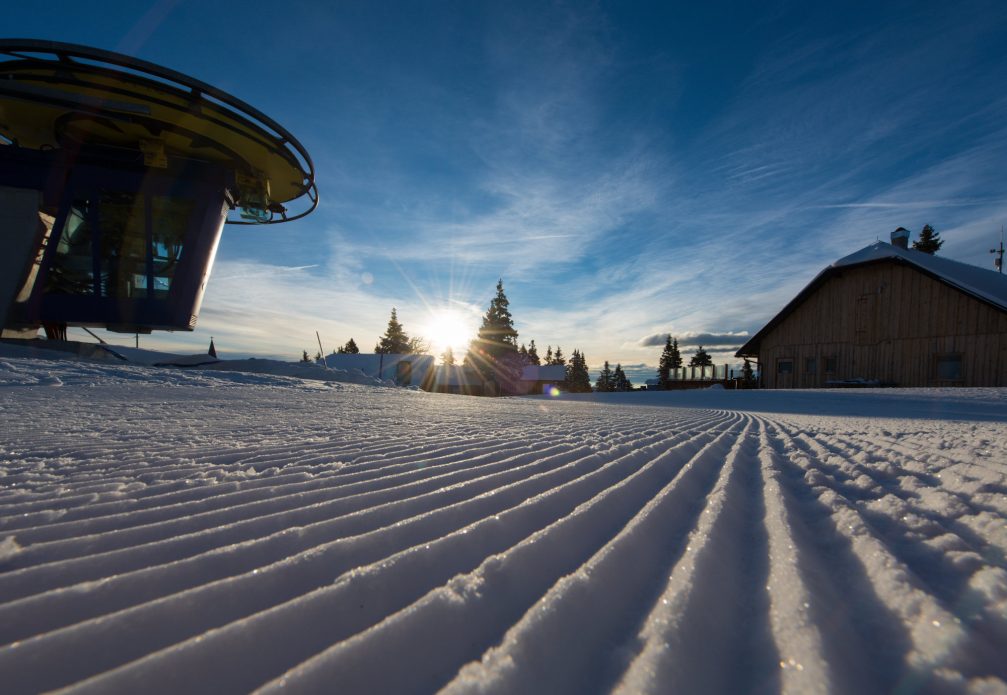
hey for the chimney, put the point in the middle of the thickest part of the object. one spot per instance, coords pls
(900, 238)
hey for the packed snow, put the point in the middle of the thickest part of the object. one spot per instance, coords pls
(256, 527)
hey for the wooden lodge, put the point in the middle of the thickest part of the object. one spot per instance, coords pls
(888, 315)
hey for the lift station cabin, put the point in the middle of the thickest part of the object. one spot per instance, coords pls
(116, 178)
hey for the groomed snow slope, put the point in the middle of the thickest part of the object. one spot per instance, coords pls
(191, 531)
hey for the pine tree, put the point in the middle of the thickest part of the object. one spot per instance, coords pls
(533, 357)
(622, 382)
(548, 355)
(747, 375)
(523, 354)
(494, 352)
(577, 378)
(304, 357)
(557, 357)
(448, 357)
(606, 380)
(394, 341)
(671, 359)
(929, 241)
(318, 356)
(664, 365)
(701, 359)
(349, 349)
(676, 356)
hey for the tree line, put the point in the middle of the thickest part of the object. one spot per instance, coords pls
(496, 355)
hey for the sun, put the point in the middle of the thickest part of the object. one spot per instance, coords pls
(448, 328)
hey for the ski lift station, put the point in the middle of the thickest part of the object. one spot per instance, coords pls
(116, 178)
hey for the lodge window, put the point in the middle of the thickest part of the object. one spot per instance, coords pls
(785, 366)
(949, 367)
(831, 364)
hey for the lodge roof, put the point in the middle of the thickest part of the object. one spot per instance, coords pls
(985, 285)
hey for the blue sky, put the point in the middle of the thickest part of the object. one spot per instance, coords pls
(629, 169)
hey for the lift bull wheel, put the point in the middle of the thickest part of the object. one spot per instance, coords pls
(116, 177)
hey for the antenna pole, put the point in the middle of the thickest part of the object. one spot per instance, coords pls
(998, 258)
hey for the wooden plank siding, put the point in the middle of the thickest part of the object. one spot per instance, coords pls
(887, 322)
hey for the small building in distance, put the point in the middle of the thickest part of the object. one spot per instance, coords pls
(537, 378)
(404, 370)
(458, 379)
(889, 315)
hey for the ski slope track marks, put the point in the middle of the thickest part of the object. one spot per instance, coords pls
(196, 531)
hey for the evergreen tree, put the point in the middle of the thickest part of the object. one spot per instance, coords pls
(701, 359)
(349, 349)
(929, 241)
(533, 357)
(318, 356)
(394, 341)
(747, 375)
(448, 357)
(494, 352)
(622, 382)
(671, 359)
(664, 365)
(304, 357)
(557, 357)
(548, 355)
(523, 353)
(606, 380)
(577, 378)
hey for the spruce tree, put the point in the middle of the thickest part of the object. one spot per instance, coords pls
(606, 380)
(349, 349)
(929, 241)
(747, 375)
(622, 382)
(557, 357)
(664, 365)
(577, 378)
(394, 341)
(494, 352)
(533, 357)
(304, 357)
(448, 357)
(701, 359)
(548, 355)
(671, 360)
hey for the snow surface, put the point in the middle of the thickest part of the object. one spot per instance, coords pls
(211, 530)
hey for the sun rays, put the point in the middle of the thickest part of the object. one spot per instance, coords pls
(449, 328)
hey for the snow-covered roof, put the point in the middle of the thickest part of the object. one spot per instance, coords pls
(544, 372)
(981, 283)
